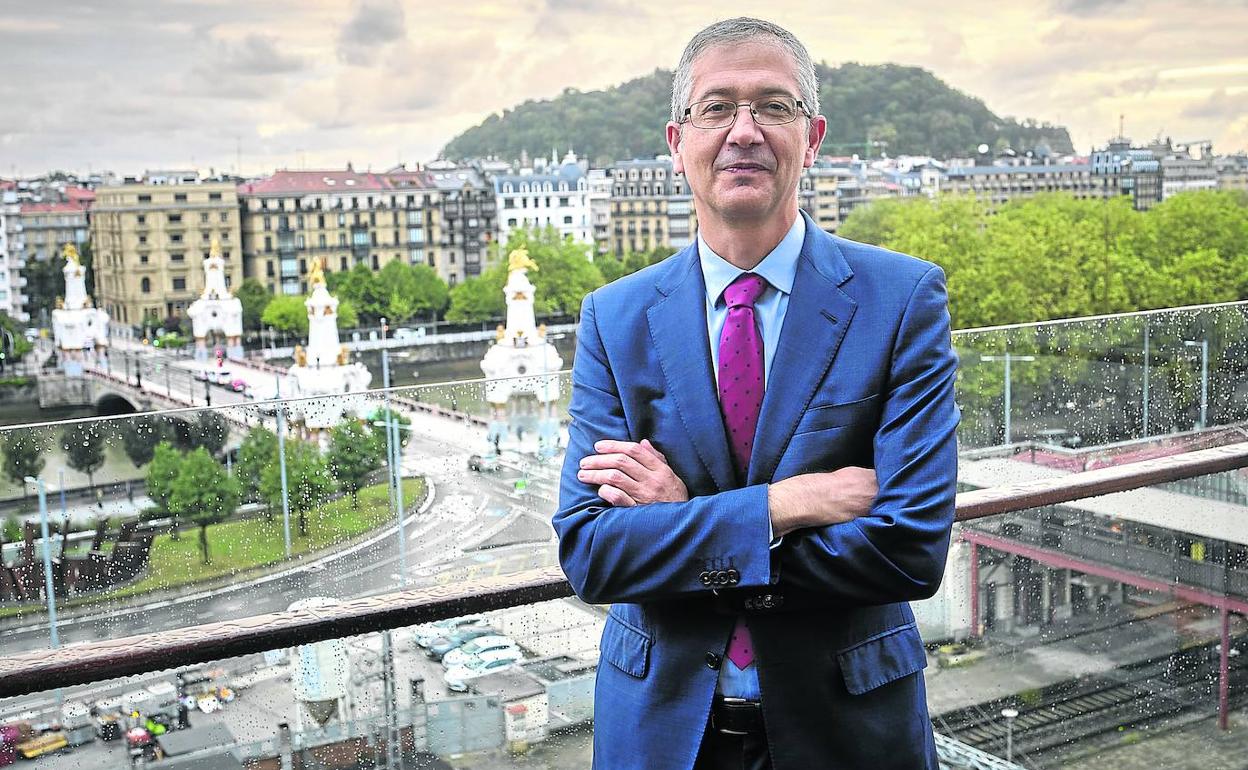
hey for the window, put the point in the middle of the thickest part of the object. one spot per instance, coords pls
(143, 259)
(342, 239)
(203, 218)
(268, 268)
(179, 284)
(299, 220)
(145, 199)
(214, 196)
(145, 285)
(320, 240)
(511, 222)
(342, 219)
(268, 243)
(225, 216)
(320, 221)
(176, 238)
(177, 256)
(342, 263)
(204, 235)
(268, 223)
(140, 219)
(175, 219)
(179, 197)
(567, 220)
(142, 239)
(299, 241)
(376, 263)
(563, 201)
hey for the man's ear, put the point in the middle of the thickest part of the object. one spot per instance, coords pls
(814, 138)
(673, 146)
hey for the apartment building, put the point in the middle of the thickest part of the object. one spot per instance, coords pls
(542, 195)
(291, 219)
(465, 225)
(149, 240)
(651, 207)
(10, 260)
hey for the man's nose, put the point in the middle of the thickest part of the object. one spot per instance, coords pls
(745, 131)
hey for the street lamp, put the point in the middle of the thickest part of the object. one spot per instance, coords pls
(281, 459)
(47, 557)
(393, 453)
(1010, 715)
(1007, 358)
(1204, 376)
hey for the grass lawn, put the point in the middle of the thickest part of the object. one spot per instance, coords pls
(238, 546)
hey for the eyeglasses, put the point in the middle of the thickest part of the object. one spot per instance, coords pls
(767, 111)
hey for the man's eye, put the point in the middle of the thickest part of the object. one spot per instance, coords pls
(776, 107)
(715, 107)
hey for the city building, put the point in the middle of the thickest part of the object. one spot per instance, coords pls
(11, 300)
(554, 194)
(1232, 172)
(996, 185)
(1153, 173)
(651, 207)
(47, 227)
(149, 240)
(291, 219)
(599, 182)
(464, 228)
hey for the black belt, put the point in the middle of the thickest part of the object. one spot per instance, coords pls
(736, 716)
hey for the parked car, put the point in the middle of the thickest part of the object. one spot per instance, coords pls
(453, 641)
(477, 648)
(483, 463)
(492, 662)
(238, 385)
(427, 632)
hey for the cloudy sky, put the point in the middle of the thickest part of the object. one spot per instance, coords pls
(134, 84)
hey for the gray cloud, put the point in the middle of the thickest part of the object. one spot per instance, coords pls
(373, 24)
(1087, 7)
(258, 55)
(1219, 106)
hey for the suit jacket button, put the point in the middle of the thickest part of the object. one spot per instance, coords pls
(768, 602)
(705, 577)
(712, 661)
(734, 577)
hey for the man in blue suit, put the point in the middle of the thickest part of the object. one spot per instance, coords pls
(761, 464)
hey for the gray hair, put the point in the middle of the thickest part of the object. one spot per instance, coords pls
(739, 30)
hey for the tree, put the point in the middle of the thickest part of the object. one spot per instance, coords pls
(257, 452)
(376, 421)
(255, 297)
(23, 455)
(140, 435)
(286, 313)
(210, 431)
(84, 448)
(347, 317)
(161, 473)
(353, 454)
(203, 493)
(307, 481)
(410, 290)
(364, 290)
(563, 277)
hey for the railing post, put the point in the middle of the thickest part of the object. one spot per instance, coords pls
(974, 590)
(1224, 684)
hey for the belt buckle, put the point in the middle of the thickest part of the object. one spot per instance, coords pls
(726, 700)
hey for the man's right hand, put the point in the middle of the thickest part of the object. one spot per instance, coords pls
(819, 499)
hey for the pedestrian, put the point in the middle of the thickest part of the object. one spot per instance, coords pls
(761, 463)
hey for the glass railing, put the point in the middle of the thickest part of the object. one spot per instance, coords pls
(211, 515)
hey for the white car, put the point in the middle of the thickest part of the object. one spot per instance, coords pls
(476, 648)
(424, 634)
(208, 703)
(492, 662)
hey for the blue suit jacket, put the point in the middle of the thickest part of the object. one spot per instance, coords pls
(863, 375)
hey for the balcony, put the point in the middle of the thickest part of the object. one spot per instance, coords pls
(1097, 565)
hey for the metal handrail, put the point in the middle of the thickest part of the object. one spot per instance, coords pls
(41, 670)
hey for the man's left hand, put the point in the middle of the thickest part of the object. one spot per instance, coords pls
(629, 473)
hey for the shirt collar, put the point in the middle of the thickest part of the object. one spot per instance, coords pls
(779, 267)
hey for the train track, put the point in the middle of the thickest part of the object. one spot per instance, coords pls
(1059, 717)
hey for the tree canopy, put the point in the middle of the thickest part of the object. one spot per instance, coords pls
(1056, 256)
(909, 108)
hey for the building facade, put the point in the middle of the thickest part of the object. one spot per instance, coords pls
(999, 184)
(545, 195)
(651, 207)
(292, 219)
(149, 241)
(11, 300)
(47, 227)
(464, 227)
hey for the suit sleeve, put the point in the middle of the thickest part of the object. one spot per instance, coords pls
(646, 552)
(897, 551)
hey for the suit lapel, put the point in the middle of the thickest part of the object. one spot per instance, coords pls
(814, 325)
(678, 332)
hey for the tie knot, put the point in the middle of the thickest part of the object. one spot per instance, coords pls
(745, 290)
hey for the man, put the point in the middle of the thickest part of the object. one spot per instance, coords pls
(733, 409)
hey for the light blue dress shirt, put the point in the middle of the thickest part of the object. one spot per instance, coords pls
(779, 269)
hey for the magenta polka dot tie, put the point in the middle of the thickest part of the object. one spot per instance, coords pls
(741, 388)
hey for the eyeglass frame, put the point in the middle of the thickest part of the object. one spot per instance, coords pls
(687, 117)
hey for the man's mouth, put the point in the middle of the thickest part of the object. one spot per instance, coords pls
(744, 168)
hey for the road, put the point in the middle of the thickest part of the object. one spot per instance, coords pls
(466, 506)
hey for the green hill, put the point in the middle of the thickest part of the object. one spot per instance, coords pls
(908, 107)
